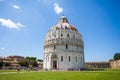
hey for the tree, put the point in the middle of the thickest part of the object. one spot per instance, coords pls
(1, 63)
(32, 61)
(116, 56)
(31, 58)
(40, 60)
(24, 62)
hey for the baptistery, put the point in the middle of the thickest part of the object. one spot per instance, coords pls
(63, 47)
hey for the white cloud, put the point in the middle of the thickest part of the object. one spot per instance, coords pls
(2, 49)
(57, 9)
(15, 6)
(10, 24)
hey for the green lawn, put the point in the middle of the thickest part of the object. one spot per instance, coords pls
(7, 71)
(63, 75)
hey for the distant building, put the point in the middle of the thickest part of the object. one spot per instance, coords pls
(63, 47)
(16, 58)
(13, 61)
(91, 65)
(115, 64)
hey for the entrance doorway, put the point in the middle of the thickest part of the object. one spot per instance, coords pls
(54, 61)
(54, 64)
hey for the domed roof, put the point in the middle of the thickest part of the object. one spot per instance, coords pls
(64, 24)
(63, 30)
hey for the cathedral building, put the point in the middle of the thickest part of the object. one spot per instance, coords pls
(63, 47)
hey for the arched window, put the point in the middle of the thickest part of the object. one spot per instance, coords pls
(69, 58)
(73, 36)
(76, 58)
(61, 58)
(54, 47)
(66, 46)
(61, 35)
(68, 35)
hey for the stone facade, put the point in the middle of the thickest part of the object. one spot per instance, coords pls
(115, 64)
(92, 65)
(63, 47)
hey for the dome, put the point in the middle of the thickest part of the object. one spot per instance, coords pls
(64, 42)
(63, 30)
(64, 24)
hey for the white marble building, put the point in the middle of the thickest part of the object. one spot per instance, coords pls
(63, 47)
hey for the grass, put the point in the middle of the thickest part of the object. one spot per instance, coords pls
(7, 71)
(64, 75)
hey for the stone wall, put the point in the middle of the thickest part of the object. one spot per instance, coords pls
(91, 65)
(115, 64)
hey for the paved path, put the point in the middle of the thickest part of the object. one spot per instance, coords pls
(8, 72)
(18, 72)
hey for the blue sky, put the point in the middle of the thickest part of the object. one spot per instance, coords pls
(24, 23)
